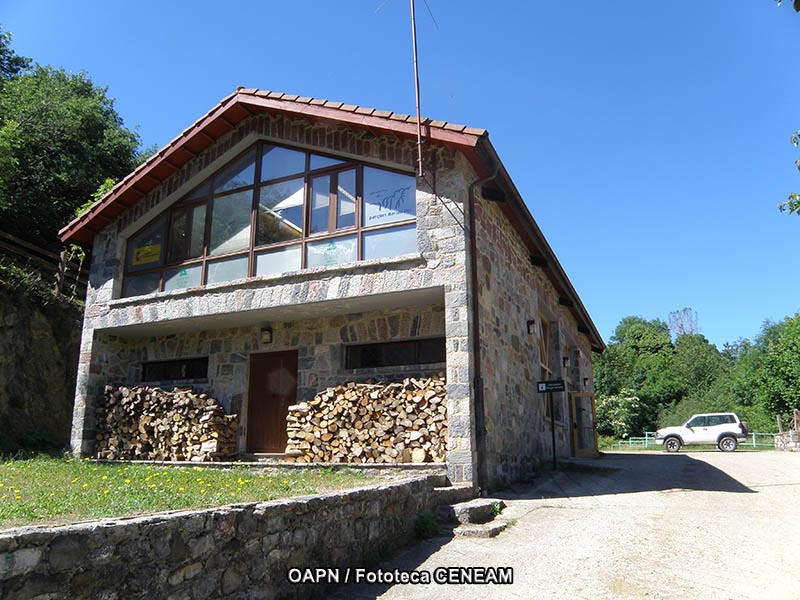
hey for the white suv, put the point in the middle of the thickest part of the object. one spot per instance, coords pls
(723, 429)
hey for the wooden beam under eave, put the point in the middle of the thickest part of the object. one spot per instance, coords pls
(167, 161)
(222, 118)
(210, 139)
(566, 302)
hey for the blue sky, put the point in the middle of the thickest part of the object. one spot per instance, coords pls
(649, 139)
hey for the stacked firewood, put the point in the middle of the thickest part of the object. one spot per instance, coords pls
(371, 423)
(153, 424)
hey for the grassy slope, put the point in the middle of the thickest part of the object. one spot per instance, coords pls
(58, 490)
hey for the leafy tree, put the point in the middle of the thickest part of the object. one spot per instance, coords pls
(792, 203)
(696, 364)
(620, 414)
(778, 381)
(60, 138)
(11, 63)
(637, 359)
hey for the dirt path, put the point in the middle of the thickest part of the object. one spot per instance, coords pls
(702, 525)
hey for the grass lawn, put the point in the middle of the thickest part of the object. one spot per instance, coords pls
(48, 490)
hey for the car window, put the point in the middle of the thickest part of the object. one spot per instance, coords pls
(697, 422)
(728, 419)
(715, 420)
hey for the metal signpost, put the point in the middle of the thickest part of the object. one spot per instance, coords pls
(545, 387)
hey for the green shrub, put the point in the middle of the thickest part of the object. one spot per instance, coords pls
(426, 526)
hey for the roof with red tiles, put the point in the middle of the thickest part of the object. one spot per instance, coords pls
(244, 102)
(224, 117)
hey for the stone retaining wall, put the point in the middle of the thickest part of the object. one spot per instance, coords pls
(789, 440)
(238, 551)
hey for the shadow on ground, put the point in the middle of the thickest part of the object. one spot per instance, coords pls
(405, 559)
(624, 473)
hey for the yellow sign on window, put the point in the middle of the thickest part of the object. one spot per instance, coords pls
(146, 255)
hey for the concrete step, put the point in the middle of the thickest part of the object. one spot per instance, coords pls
(479, 510)
(453, 494)
(481, 530)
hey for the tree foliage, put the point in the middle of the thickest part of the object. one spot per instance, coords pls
(60, 139)
(11, 63)
(672, 379)
(620, 414)
(792, 203)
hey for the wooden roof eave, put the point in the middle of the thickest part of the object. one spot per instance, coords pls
(523, 221)
(195, 139)
(408, 128)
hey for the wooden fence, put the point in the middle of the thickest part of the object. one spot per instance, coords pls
(69, 275)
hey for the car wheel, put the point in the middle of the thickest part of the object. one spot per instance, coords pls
(728, 444)
(672, 444)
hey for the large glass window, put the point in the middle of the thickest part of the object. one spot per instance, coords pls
(274, 210)
(230, 223)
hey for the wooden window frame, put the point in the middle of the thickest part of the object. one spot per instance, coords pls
(417, 346)
(544, 332)
(207, 199)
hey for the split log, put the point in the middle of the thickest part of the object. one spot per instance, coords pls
(144, 423)
(371, 423)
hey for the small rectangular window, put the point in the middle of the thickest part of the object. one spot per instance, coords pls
(391, 354)
(175, 370)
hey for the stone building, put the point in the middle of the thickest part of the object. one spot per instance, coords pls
(283, 244)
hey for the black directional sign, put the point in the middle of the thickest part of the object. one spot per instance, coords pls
(557, 385)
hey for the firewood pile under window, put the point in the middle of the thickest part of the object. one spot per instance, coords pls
(148, 423)
(399, 422)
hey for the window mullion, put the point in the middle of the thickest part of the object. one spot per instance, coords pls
(359, 202)
(333, 202)
(251, 260)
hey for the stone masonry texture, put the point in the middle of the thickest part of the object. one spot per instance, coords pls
(108, 351)
(513, 291)
(239, 551)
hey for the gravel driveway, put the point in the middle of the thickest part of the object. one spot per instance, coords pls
(634, 525)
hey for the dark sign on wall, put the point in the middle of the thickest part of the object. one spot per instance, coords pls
(557, 385)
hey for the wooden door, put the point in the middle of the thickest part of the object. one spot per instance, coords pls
(584, 429)
(273, 388)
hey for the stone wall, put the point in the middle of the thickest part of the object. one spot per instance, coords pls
(511, 292)
(319, 342)
(788, 440)
(39, 340)
(441, 263)
(236, 551)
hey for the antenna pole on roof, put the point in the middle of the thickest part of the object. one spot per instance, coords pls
(416, 89)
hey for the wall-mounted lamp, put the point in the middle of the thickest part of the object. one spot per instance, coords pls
(565, 361)
(266, 335)
(531, 326)
(585, 382)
